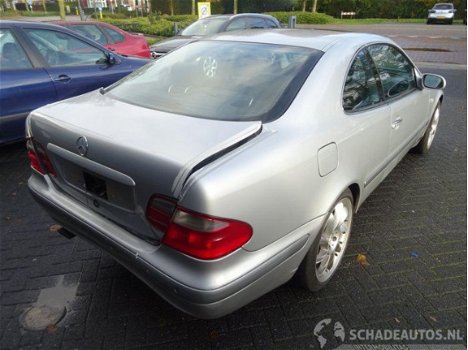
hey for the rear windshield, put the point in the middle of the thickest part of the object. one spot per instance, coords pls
(219, 80)
(443, 6)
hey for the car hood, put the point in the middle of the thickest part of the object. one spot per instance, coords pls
(173, 43)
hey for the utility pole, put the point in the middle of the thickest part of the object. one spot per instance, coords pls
(193, 7)
(235, 7)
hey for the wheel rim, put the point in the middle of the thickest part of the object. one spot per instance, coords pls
(433, 128)
(334, 239)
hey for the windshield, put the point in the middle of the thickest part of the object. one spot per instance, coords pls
(221, 80)
(204, 27)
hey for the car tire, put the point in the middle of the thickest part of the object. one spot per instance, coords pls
(426, 142)
(428, 21)
(450, 21)
(325, 255)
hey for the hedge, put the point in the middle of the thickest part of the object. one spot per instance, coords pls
(303, 17)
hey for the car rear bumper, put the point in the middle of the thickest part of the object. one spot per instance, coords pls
(440, 17)
(230, 282)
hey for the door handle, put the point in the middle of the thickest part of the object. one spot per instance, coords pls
(396, 123)
(62, 78)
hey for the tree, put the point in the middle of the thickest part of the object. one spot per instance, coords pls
(314, 6)
(235, 6)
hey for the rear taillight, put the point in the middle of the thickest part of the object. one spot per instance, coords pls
(38, 157)
(198, 235)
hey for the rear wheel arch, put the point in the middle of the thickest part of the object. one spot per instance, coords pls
(356, 192)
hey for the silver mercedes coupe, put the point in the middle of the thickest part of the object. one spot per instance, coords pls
(234, 163)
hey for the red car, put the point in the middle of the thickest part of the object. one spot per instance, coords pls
(111, 37)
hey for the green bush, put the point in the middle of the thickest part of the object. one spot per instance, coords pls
(39, 14)
(303, 17)
(180, 18)
(142, 25)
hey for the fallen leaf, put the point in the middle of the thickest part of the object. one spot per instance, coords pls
(362, 260)
(54, 228)
(397, 320)
(214, 334)
(52, 328)
(433, 318)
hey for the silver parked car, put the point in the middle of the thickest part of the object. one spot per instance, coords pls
(214, 25)
(220, 171)
(441, 12)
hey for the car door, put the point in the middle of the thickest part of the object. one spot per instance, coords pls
(24, 86)
(364, 104)
(74, 65)
(406, 101)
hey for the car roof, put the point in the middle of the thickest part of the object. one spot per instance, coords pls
(229, 16)
(13, 23)
(77, 22)
(314, 39)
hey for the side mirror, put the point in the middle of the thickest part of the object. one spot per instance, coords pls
(111, 59)
(434, 81)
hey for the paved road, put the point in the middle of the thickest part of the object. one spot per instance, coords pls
(412, 230)
(424, 43)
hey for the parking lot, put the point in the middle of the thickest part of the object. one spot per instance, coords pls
(411, 231)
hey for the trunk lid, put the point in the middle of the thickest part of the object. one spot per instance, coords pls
(130, 153)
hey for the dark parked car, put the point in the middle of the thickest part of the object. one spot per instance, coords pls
(111, 37)
(212, 25)
(44, 63)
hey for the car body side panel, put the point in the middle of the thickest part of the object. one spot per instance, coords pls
(22, 90)
(85, 78)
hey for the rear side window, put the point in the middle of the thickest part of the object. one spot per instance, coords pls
(12, 55)
(256, 23)
(237, 24)
(395, 70)
(360, 90)
(89, 31)
(115, 36)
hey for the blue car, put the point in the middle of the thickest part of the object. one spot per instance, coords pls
(43, 63)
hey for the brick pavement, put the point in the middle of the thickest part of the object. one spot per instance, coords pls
(412, 229)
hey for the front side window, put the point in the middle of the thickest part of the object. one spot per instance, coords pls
(232, 81)
(12, 55)
(360, 89)
(61, 49)
(395, 70)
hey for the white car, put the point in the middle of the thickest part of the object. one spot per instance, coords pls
(443, 12)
